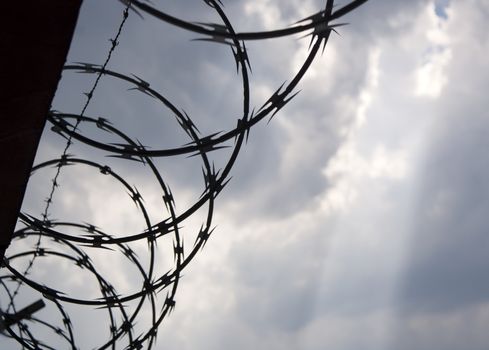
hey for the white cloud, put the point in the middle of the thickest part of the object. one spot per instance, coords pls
(267, 11)
(431, 76)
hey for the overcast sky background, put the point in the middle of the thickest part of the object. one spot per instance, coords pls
(356, 219)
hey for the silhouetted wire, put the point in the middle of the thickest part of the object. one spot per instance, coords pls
(121, 319)
(54, 181)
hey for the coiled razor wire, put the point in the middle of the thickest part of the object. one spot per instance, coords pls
(47, 239)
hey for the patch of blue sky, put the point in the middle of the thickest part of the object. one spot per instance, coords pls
(441, 8)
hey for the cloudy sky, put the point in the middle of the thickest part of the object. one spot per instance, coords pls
(355, 219)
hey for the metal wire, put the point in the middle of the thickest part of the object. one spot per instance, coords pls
(156, 293)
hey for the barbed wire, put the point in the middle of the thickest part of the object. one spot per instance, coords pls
(54, 181)
(125, 310)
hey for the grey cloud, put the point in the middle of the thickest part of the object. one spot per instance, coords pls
(450, 241)
(275, 290)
